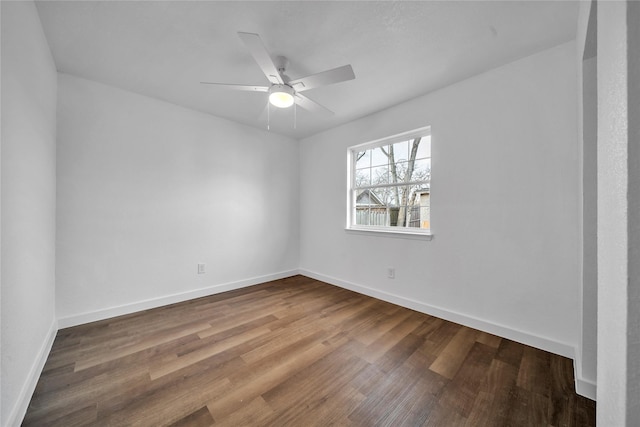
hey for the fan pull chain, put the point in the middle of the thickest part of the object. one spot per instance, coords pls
(268, 116)
(295, 114)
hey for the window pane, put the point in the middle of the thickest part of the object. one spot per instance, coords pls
(422, 170)
(378, 156)
(363, 177)
(381, 196)
(362, 201)
(405, 216)
(378, 216)
(380, 175)
(401, 171)
(416, 211)
(406, 192)
(401, 151)
(424, 201)
(362, 216)
(363, 159)
(414, 193)
(424, 149)
(363, 198)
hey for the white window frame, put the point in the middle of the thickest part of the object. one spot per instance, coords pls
(389, 231)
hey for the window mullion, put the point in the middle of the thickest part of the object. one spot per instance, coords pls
(391, 185)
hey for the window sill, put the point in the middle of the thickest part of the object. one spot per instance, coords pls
(390, 233)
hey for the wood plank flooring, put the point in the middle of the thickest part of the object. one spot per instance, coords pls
(298, 352)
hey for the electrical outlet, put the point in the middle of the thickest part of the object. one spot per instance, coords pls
(200, 268)
(391, 273)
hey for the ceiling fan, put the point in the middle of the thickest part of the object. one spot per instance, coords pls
(284, 92)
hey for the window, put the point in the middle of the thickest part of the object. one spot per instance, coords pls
(390, 184)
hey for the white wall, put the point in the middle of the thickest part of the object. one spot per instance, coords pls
(618, 214)
(633, 97)
(505, 255)
(589, 347)
(28, 205)
(147, 189)
(586, 41)
(612, 214)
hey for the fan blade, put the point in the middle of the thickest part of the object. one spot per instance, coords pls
(310, 105)
(246, 88)
(324, 78)
(262, 57)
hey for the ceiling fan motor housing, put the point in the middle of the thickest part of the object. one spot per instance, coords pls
(281, 95)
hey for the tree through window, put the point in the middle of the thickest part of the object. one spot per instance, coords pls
(390, 183)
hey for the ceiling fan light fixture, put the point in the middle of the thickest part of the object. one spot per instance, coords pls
(281, 96)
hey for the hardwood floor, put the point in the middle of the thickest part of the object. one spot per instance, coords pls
(298, 352)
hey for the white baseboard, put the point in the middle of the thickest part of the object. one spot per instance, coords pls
(107, 313)
(532, 340)
(17, 413)
(584, 387)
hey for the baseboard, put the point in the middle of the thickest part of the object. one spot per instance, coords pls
(80, 319)
(584, 387)
(20, 409)
(462, 319)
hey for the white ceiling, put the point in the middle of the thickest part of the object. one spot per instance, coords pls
(398, 49)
